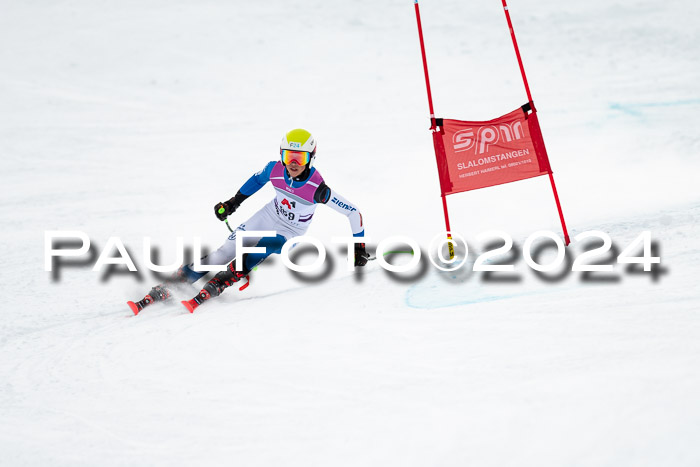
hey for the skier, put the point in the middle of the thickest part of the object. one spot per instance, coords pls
(299, 188)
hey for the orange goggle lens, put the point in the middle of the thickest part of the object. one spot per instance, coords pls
(301, 157)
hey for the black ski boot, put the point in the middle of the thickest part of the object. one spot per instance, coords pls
(159, 293)
(217, 285)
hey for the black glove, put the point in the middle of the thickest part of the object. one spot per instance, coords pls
(225, 209)
(222, 210)
(361, 255)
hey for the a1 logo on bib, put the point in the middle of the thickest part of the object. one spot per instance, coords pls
(289, 204)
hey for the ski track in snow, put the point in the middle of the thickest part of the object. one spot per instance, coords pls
(133, 120)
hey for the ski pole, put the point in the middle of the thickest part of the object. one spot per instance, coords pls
(221, 211)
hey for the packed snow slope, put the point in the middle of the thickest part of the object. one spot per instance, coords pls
(133, 119)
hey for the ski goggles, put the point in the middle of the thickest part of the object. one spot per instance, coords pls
(300, 157)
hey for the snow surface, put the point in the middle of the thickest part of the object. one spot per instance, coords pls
(133, 119)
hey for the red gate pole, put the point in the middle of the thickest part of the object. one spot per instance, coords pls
(517, 52)
(433, 126)
(529, 99)
(425, 67)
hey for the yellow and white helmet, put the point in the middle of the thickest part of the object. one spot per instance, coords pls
(298, 145)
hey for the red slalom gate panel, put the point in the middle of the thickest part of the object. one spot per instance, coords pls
(473, 155)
